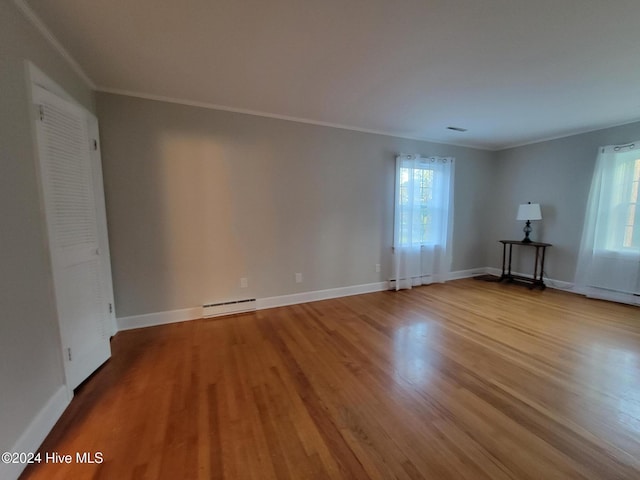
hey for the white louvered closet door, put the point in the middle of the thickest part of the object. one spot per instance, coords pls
(65, 151)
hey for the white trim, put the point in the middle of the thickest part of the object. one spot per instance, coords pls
(159, 318)
(472, 272)
(565, 135)
(304, 297)
(186, 314)
(595, 293)
(549, 282)
(224, 108)
(493, 271)
(36, 432)
(258, 113)
(228, 308)
(559, 284)
(42, 28)
(457, 275)
(608, 295)
(35, 20)
(162, 318)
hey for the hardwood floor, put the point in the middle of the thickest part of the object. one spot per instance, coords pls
(466, 380)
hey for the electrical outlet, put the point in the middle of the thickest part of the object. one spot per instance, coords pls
(244, 283)
(377, 267)
(298, 278)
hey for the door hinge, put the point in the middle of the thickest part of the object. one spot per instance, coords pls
(41, 109)
(69, 353)
(110, 308)
(95, 144)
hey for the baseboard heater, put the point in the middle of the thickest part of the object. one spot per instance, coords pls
(227, 308)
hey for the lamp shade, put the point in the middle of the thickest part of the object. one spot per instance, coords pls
(529, 211)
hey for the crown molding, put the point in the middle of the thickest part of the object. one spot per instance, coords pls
(224, 108)
(42, 28)
(566, 135)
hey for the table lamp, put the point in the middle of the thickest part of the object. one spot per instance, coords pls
(528, 211)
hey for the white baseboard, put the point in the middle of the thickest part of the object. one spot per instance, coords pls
(36, 432)
(560, 284)
(609, 295)
(549, 282)
(496, 272)
(595, 293)
(183, 315)
(304, 297)
(472, 272)
(441, 278)
(159, 318)
(173, 316)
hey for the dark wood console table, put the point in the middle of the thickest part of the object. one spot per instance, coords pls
(536, 281)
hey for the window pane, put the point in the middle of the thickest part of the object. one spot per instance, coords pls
(416, 195)
(631, 215)
(628, 236)
(619, 212)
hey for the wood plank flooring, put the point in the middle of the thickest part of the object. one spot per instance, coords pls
(464, 380)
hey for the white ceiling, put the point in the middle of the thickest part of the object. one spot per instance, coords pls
(510, 71)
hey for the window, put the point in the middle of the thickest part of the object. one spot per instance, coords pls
(417, 181)
(618, 226)
(422, 200)
(423, 219)
(609, 258)
(631, 238)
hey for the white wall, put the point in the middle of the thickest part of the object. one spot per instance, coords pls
(557, 174)
(198, 198)
(31, 369)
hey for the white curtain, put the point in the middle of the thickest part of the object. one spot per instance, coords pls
(423, 221)
(609, 258)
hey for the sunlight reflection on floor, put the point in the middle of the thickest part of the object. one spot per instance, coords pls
(415, 361)
(614, 373)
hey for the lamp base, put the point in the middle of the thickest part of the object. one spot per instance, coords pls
(527, 231)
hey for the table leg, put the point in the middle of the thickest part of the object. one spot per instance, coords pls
(544, 249)
(510, 250)
(504, 254)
